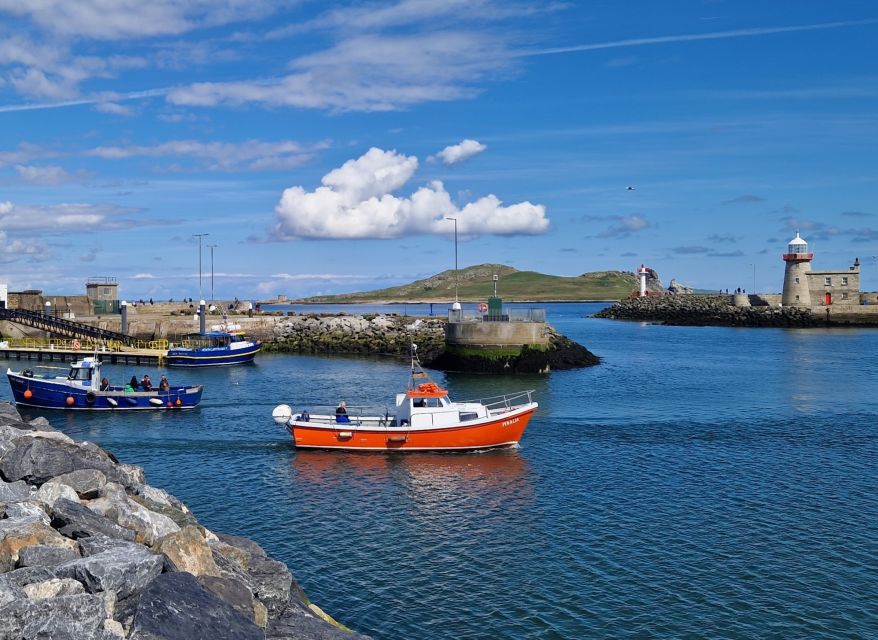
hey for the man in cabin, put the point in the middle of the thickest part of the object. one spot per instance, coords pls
(341, 412)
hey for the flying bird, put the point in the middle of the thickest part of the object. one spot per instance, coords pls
(629, 188)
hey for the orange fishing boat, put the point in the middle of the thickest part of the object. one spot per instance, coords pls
(424, 419)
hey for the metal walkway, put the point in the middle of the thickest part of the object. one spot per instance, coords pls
(63, 327)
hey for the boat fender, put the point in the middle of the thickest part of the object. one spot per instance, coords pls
(90, 397)
(178, 402)
(131, 401)
(156, 402)
(112, 402)
(28, 394)
(70, 401)
(282, 414)
(169, 404)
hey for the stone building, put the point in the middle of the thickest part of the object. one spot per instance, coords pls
(803, 287)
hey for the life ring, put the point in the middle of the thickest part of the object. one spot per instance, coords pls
(76, 345)
(90, 397)
(482, 307)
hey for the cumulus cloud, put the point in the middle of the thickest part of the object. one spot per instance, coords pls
(455, 153)
(13, 250)
(47, 174)
(357, 201)
(253, 155)
(114, 109)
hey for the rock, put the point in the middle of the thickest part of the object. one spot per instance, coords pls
(37, 460)
(51, 491)
(174, 606)
(41, 424)
(159, 496)
(87, 483)
(70, 617)
(187, 550)
(180, 517)
(23, 430)
(235, 593)
(124, 571)
(148, 526)
(244, 548)
(42, 555)
(271, 582)
(77, 521)
(297, 621)
(17, 533)
(14, 491)
(53, 588)
(27, 510)
(679, 288)
(93, 545)
(114, 628)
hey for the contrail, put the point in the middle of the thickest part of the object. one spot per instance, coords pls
(715, 35)
(133, 95)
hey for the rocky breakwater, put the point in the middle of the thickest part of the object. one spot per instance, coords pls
(370, 335)
(705, 310)
(88, 550)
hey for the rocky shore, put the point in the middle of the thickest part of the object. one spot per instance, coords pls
(707, 310)
(88, 550)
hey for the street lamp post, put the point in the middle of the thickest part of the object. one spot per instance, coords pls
(212, 247)
(456, 277)
(199, 236)
(754, 276)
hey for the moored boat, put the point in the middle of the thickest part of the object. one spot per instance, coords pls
(424, 419)
(81, 390)
(227, 345)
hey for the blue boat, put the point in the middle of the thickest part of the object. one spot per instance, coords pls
(216, 348)
(81, 390)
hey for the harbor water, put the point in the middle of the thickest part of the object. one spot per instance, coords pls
(700, 483)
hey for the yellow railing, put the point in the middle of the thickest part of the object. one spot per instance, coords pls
(82, 344)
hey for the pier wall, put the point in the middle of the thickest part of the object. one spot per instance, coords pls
(497, 333)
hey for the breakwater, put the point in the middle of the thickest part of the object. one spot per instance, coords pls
(707, 310)
(392, 335)
(89, 550)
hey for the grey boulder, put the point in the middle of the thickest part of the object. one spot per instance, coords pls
(87, 483)
(42, 555)
(69, 617)
(122, 571)
(75, 520)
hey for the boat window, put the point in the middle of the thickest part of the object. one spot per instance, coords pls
(73, 375)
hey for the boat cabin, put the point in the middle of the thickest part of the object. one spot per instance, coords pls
(427, 405)
(85, 372)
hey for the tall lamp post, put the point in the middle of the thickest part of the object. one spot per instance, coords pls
(199, 236)
(456, 277)
(212, 247)
(754, 276)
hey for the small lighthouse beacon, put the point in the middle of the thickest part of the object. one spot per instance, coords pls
(642, 272)
(795, 278)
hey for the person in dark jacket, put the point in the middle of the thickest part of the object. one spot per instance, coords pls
(133, 383)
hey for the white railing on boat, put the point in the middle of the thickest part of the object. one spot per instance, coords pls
(504, 402)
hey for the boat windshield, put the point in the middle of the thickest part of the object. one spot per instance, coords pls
(79, 374)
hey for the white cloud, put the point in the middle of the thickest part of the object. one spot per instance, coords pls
(114, 109)
(459, 152)
(11, 251)
(46, 174)
(369, 73)
(254, 155)
(116, 19)
(143, 276)
(356, 201)
(68, 218)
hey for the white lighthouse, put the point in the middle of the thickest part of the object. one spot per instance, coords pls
(642, 272)
(796, 292)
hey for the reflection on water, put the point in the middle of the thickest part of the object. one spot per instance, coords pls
(700, 482)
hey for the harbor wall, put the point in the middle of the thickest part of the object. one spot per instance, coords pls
(89, 550)
(497, 333)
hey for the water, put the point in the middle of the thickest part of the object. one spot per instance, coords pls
(701, 482)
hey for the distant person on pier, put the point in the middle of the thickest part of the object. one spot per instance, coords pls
(146, 383)
(133, 383)
(341, 412)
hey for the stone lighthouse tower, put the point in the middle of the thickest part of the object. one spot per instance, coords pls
(795, 278)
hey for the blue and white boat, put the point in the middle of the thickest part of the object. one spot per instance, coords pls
(81, 390)
(226, 345)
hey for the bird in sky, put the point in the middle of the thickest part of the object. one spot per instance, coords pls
(629, 188)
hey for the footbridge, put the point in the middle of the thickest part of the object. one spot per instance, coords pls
(64, 327)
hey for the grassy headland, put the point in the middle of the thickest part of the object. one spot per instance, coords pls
(476, 284)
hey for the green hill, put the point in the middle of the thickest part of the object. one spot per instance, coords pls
(476, 284)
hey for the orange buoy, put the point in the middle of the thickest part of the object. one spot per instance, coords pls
(70, 401)
(179, 402)
(28, 394)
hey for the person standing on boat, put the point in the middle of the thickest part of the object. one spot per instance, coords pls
(341, 412)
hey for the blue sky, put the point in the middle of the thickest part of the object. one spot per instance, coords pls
(321, 145)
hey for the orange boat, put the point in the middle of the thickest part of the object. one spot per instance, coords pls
(425, 419)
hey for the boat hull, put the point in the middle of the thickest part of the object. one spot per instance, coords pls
(504, 430)
(212, 356)
(52, 394)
